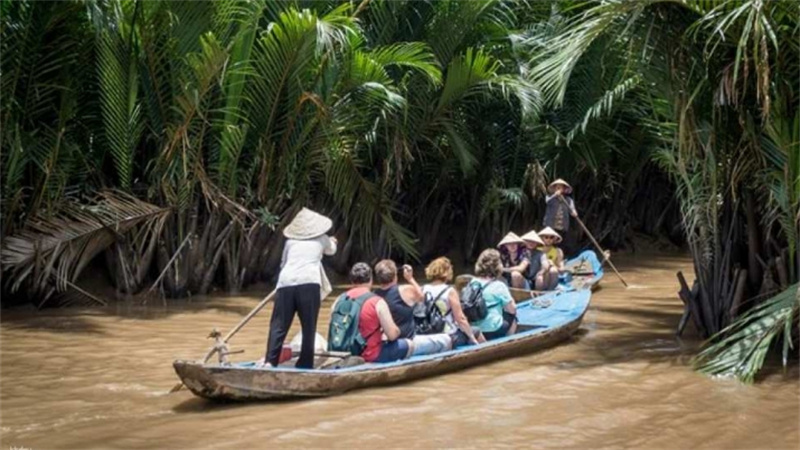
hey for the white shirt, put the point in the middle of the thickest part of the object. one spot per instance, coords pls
(436, 289)
(301, 262)
(439, 292)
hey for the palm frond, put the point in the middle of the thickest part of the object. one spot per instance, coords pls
(413, 55)
(749, 24)
(553, 67)
(50, 253)
(605, 104)
(364, 204)
(464, 73)
(740, 349)
(119, 86)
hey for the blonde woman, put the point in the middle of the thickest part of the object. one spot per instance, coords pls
(446, 299)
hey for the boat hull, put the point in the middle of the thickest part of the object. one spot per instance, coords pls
(542, 322)
(244, 384)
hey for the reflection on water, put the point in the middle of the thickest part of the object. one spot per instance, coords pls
(99, 379)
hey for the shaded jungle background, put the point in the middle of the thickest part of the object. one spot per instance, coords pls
(169, 142)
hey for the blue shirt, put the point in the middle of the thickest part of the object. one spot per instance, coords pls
(496, 295)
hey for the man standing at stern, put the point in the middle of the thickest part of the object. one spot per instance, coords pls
(560, 207)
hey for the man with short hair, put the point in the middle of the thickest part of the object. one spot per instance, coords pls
(375, 319)
(401, 300)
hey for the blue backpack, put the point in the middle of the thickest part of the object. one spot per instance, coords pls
(343, 334)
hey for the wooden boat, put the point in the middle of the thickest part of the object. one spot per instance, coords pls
(543, 322)
(582, 272)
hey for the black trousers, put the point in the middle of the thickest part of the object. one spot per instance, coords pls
(570, 244)
(304, 300)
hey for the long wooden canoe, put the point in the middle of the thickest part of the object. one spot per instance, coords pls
(543, 322)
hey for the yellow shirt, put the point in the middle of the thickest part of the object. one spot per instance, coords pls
(552, 254)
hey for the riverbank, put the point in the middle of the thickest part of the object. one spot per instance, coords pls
(98, 378)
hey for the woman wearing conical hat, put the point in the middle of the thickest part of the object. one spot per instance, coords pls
(515, 261)
(551, 241)
(301, 284)
(554, 254)
(560, 207)
(539, 268)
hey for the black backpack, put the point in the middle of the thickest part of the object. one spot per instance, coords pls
(428, 318)
(472, 301)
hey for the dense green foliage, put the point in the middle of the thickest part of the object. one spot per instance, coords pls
(416, 125)
(176, 137)
(715, 87)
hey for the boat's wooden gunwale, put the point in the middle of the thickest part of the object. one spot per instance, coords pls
(234, 383)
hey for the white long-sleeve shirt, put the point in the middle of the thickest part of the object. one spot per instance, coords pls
(301, 262)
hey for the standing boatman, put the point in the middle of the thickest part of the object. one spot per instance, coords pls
(560, 207)
(302, 284)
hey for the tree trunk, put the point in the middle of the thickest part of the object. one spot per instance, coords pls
(753, 241)
(738, 295)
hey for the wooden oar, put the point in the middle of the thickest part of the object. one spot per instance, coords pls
(596, 244)
(244, 321)
(235, 330)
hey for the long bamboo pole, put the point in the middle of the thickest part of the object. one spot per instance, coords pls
(596, 244)
(244, 321)
(235, 330)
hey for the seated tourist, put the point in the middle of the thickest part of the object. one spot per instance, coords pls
(401, 301)
(554, 255)
(514, 257)
(539, 269)
(446, 300)
(501, 318)
(374, 320)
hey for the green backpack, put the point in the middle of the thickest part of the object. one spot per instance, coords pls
(343, 334)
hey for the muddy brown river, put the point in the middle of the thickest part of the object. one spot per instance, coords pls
(99, 378)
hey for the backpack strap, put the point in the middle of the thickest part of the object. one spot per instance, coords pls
(481, 286)
(494, 280)
(487, 285)
(447, 288)
(341, 297)
(360, 300)
(436, 299)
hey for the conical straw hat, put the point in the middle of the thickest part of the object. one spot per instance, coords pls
(510, 238)
(547, 231)
(532, 236)
(307, 225)
(552, 187)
